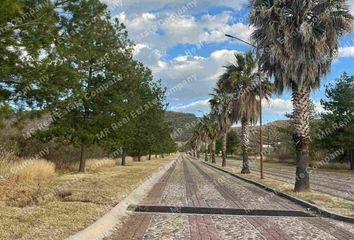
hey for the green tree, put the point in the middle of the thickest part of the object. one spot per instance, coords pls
(297, 42)
(85, 74)
(338, 126)
(233, 142)
(27, 30)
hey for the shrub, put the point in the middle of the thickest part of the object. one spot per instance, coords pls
(33, 170)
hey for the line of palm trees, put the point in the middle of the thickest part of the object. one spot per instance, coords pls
(234, 100)
(297, 42)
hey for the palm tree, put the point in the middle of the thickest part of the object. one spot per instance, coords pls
(196, 140)
(236, 95)
(297, 42)
(242, 79)
(221, 110)
(192, 144)
(210, 123)
(208, 132)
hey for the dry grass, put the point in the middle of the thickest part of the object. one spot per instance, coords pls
(97, 164)
(94, 165)
(34, 170)
(7, 162)
(69, 202)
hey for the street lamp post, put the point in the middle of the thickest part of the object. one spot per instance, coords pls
(260, 108)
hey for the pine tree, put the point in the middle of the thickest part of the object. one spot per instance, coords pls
(85, 75)
(338, 128)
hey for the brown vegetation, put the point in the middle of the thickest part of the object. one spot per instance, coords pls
(57, 207)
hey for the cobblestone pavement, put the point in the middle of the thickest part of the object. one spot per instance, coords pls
(192, 184)
(338, 184)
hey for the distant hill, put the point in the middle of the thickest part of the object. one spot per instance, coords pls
(271, 134)
(182, 124)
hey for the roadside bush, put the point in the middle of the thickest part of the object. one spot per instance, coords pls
(33, 170)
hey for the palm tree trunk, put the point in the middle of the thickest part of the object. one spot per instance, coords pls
(301, 99)
(223, 149)
(149, 155)
(213, 148)
(82, 158)
(245, 143)
(206, 152)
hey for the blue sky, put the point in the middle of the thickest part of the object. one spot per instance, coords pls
(181, 39)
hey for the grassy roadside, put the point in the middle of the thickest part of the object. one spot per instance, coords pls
(69, 202)
(325, 201)
(274, 161)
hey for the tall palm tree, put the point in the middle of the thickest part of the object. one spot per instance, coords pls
(193, 143)
(297, 42)
(211, 126)
(242, 79)
(197, 139)
(221, 110)
(208, 133)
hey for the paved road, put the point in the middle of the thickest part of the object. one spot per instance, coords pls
(191, 184)
(337, 184)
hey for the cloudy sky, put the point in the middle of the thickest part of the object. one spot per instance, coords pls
(183, 43)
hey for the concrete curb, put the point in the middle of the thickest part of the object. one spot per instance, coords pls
(310, 206)
(105, 226)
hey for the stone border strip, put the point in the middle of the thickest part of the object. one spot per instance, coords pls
(217, 211)
(106, 225)
(303, 203)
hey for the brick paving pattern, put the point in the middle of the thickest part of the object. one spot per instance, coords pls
(192, 184)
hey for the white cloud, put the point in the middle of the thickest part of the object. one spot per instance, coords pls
(318, 107)
(346, 52)
(148, 55)
(181, 29)
(277, 107)
(351, 5)
(206, 72)
(172, 23)
(197, 106)
(149, 16)
(139, 47)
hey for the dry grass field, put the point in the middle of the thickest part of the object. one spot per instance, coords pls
(38, 203)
